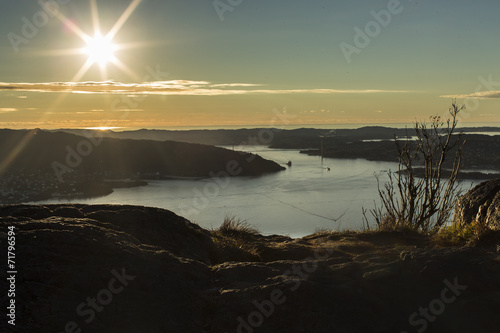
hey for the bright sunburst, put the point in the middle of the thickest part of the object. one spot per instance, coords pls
(98, 46)
(101, 50)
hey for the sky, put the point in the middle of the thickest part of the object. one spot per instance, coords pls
(241, 63)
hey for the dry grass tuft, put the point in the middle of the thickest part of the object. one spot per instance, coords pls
(459, 234)
(234, 241)
(236, 227)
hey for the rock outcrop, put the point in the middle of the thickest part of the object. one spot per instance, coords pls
(136, 269)
(481, 204)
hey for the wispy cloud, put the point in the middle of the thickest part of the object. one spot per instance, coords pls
(5, 110)
(174, 87)
(478, 95)
(60, 113)
(223, 85)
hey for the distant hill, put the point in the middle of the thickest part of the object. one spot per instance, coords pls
(38, 165)
(37, 150)
(371, 142)
(297, 138)
(481, 152)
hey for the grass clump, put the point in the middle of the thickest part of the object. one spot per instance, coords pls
(235, 241)
(236, 227)
(459, 234)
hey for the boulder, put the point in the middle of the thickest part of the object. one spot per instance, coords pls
(482, 204)
(144, 267)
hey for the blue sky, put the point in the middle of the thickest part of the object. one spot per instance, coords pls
(283, 54)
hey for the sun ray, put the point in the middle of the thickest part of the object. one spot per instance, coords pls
(60, 52)
(91, 60)
(73, 27)
(16, 151)
(95, 17)
(132, 45)
(82, 71)
(127, 70)
(125, 16)
(100, 48)
(104, 72)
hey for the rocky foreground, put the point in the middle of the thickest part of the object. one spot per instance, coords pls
(135, 269)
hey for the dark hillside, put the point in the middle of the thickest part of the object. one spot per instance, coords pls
(37, 150)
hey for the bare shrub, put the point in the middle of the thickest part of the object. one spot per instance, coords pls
(418, 196)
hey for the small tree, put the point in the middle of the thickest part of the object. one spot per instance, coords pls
(421, 195)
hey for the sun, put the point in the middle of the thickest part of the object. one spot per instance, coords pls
(100, 49)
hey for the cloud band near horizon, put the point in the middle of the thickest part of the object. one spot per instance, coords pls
(174, 87)
(477, 95)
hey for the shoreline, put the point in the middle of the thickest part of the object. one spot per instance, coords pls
(103, 188)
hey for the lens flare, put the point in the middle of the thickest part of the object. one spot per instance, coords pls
(101, 50)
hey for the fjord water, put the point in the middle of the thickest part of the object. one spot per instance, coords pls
(296, 202)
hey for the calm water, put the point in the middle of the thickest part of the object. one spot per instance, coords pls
(295, 202)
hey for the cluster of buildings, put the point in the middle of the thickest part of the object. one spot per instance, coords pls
(28, 186)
